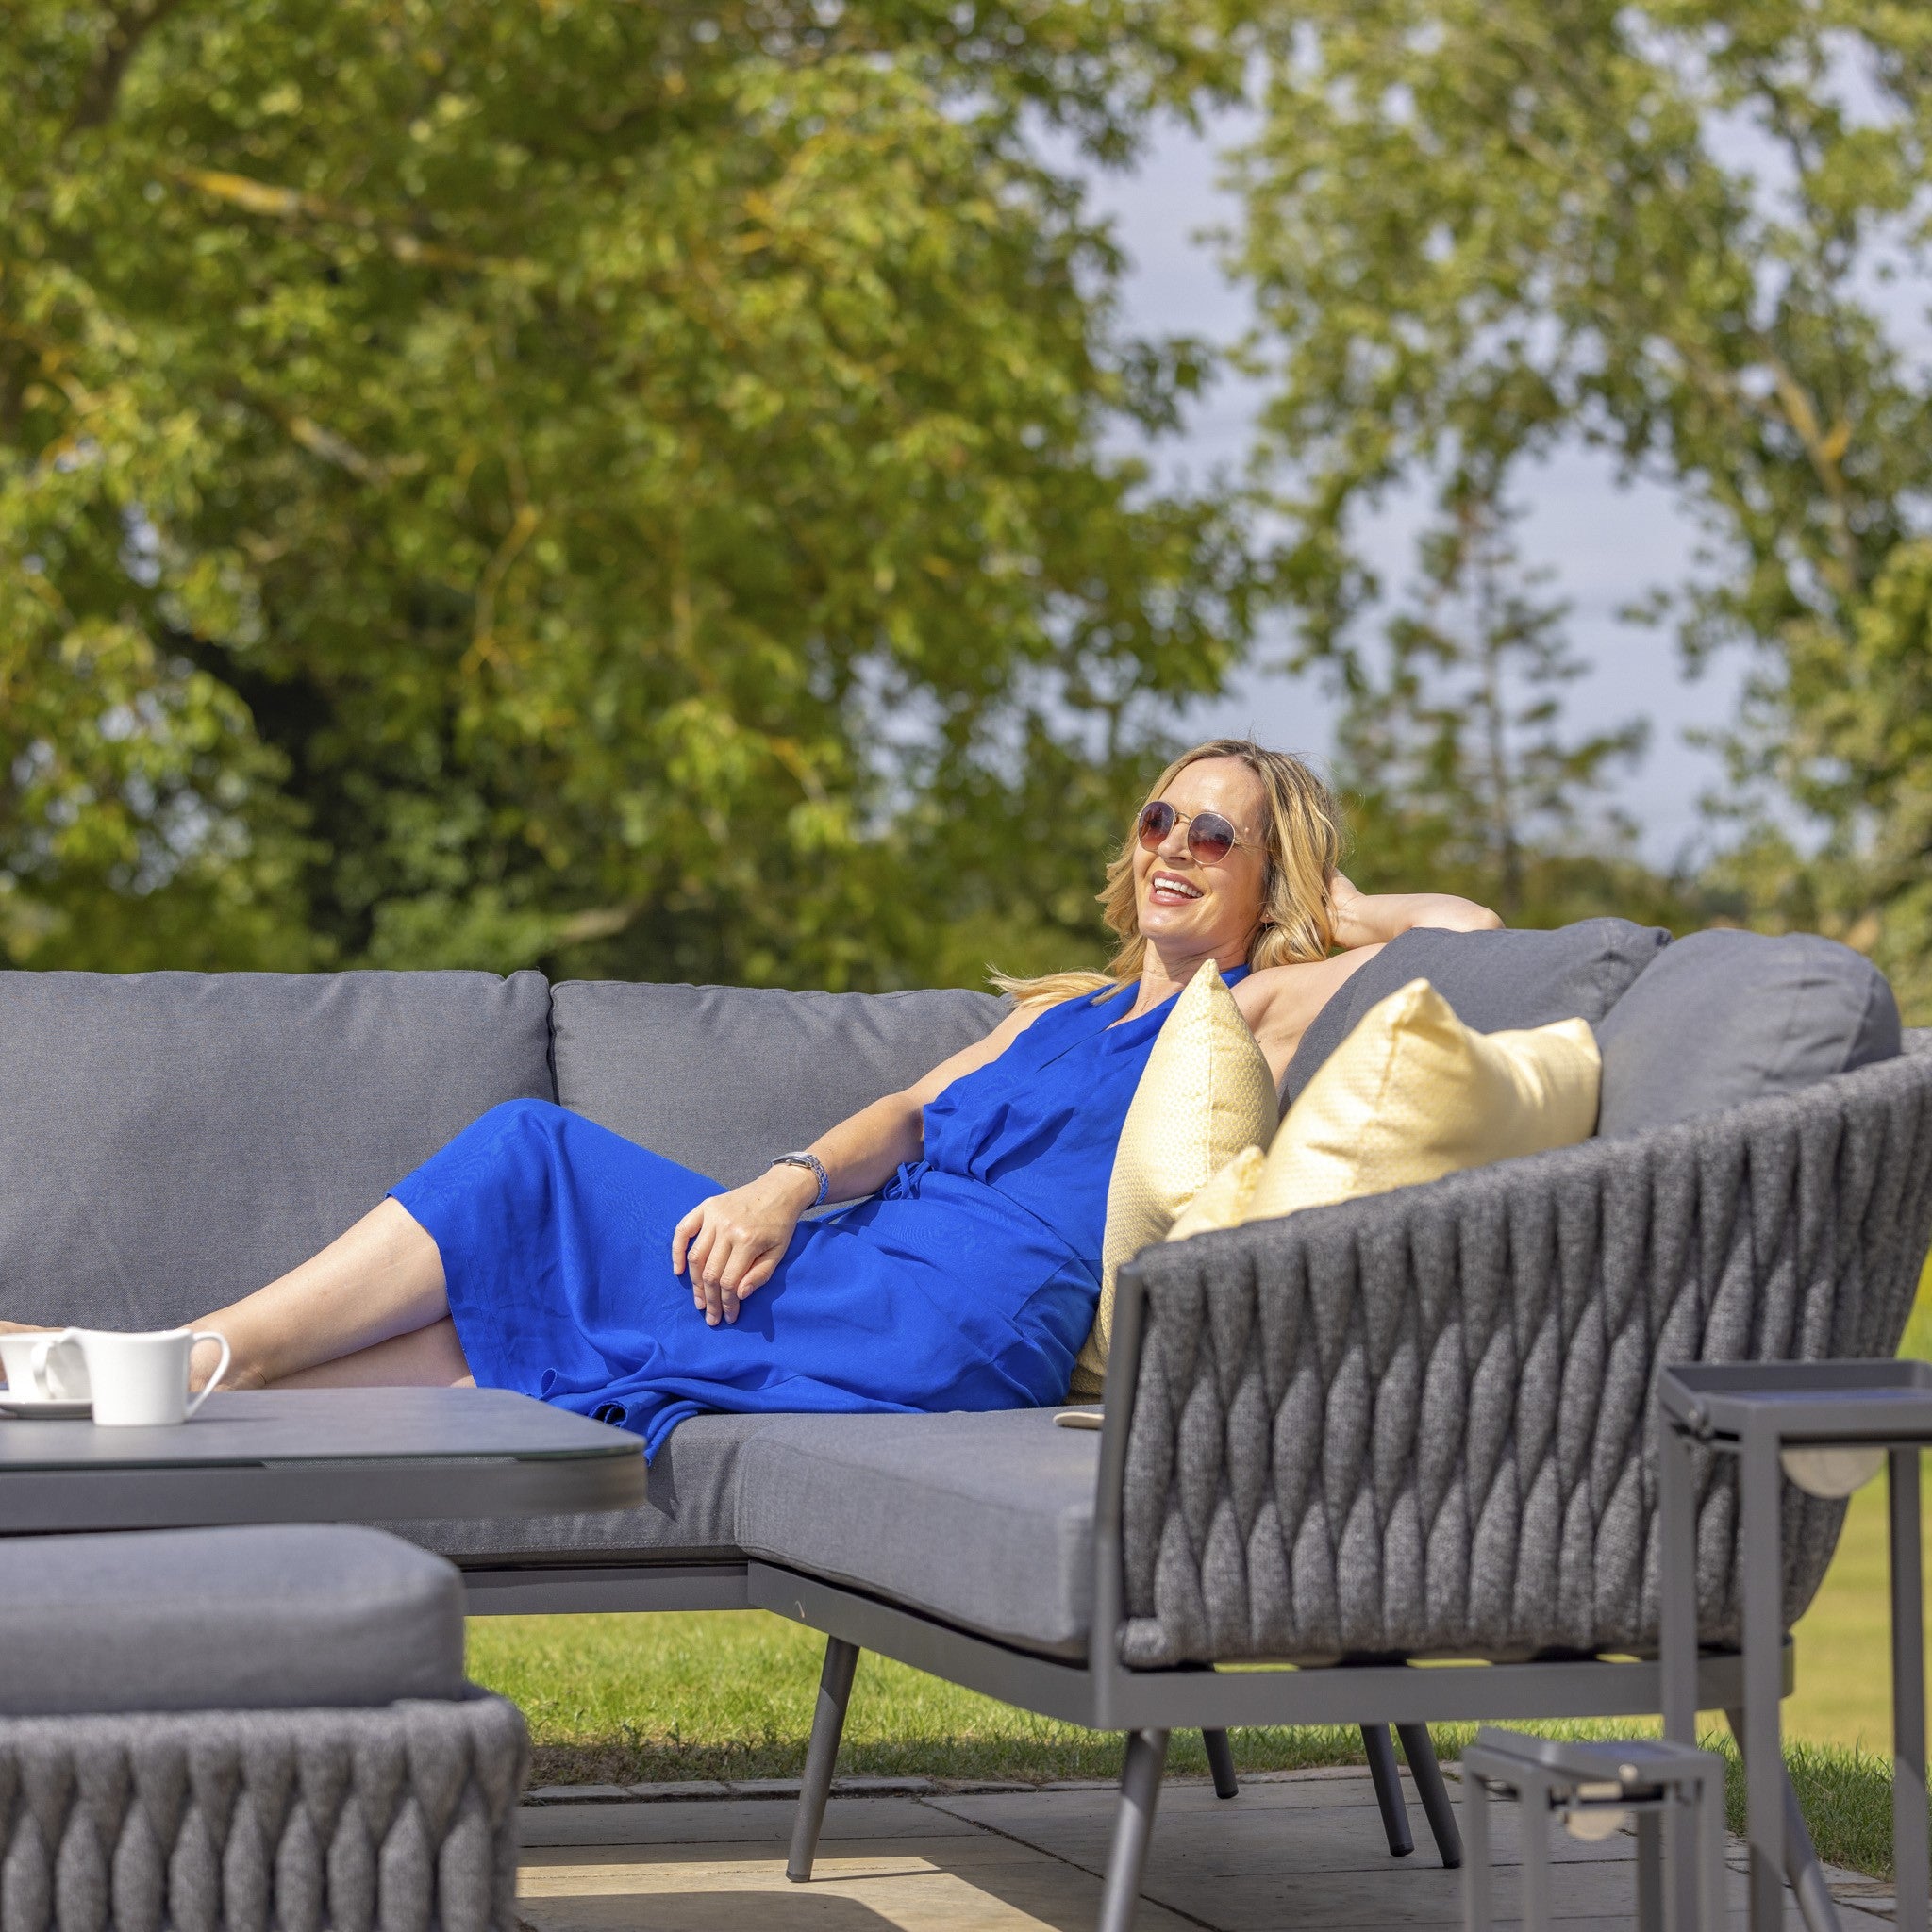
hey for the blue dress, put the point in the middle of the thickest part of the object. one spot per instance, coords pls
(969, 1281)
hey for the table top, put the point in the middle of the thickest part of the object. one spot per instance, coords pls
(1835, 1401)
(337, 1454)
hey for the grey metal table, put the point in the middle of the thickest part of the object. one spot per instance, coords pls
(318, 1456)
(1757, 1412)
(1594, 1787)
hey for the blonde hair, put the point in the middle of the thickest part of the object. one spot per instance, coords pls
(1301, 840)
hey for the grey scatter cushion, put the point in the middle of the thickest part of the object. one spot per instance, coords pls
(1725, 1016)
(171, 1140)
(721, 1079)
(1495, 981)
(261, 1618)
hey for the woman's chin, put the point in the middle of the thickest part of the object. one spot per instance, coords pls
(1174, 925)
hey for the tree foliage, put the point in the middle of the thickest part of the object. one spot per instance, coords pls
(623, 486)
(1454, 750)
(1478, 227)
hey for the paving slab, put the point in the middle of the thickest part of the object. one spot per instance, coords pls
(734, 1820)
(1296, 1851)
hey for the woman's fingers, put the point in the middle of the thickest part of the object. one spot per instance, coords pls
(760, 1274)
(701, 1263)
(719, 1272)
(682, 1236)
(727, 1257)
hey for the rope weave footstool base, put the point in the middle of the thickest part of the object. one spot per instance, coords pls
(401, 1819)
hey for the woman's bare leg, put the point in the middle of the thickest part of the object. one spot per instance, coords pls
(380, 1280)
(428, 1357)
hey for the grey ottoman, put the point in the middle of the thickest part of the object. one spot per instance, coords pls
(225, 1730)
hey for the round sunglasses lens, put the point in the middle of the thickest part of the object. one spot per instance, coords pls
(1210, 837)
(1157, 822)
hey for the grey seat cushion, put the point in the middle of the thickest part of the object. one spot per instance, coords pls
(689, 1514)
(259, 1617)
(721, 1079)
(1494, 981)
(1725, 1017)
(171, 1140)
(986, 1521)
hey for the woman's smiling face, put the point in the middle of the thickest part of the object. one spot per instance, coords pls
(1195, 909)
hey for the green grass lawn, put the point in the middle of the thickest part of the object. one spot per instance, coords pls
(729, 1695)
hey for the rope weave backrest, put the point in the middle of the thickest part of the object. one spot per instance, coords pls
(1420, 1424)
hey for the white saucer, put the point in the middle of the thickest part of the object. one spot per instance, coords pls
(47, 1409)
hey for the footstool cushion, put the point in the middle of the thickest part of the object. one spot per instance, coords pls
(256, 1618)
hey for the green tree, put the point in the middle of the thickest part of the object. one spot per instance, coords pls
(597, 484)
(1454, 748)
(1662, 228)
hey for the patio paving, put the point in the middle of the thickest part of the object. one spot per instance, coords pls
(1296, 1851)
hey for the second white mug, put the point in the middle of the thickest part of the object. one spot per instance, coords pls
(43, 1368)
(141, 1380)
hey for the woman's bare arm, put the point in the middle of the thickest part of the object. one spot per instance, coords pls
(732, 1241)
(1368, 919)
(1281, 1002)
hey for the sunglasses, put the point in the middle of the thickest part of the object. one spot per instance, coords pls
(1210, 837)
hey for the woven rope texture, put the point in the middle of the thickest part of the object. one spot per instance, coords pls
(395, 1820)
(1418, 1425)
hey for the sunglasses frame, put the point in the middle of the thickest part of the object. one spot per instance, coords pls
(1192, 821)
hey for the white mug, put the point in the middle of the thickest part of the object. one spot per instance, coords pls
(44, 1368)
(141, 1381)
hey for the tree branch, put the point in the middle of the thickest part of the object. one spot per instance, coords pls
(128, 27)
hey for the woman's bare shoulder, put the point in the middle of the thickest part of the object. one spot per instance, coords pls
(1279, 1002)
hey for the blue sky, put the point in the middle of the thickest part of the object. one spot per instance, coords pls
(1607, 544)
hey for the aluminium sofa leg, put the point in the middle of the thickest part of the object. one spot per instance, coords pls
(1388, 1782)
(821, 1756)
(1802, 1869)
(1428, 1773)
(1220, 1762)
(1133, 1828)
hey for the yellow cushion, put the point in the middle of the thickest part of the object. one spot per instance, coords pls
(1223, 1202)
(1412, 1094)
(1204, 1093)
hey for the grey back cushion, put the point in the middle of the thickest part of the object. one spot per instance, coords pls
(1495, 981)
(1725, 1016)
(171, 1140)
(720, 1079)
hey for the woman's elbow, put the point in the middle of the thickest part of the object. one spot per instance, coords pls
(1461, 915)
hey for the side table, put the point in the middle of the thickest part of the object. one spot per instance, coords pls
(1828, 1425)
(1592, 1788)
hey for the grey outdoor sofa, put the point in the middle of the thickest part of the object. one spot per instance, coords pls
(1395, 1428)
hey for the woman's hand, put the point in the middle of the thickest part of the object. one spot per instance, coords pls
(733, 1240)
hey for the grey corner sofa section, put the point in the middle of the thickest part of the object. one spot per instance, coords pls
(248, 1727)
(1395, 1427)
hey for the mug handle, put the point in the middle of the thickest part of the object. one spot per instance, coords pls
(208, 1386)
(37, 1366)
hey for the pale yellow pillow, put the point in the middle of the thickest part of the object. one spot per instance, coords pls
(1412, 1094)
(1223, 1202)
(1204, 1093)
